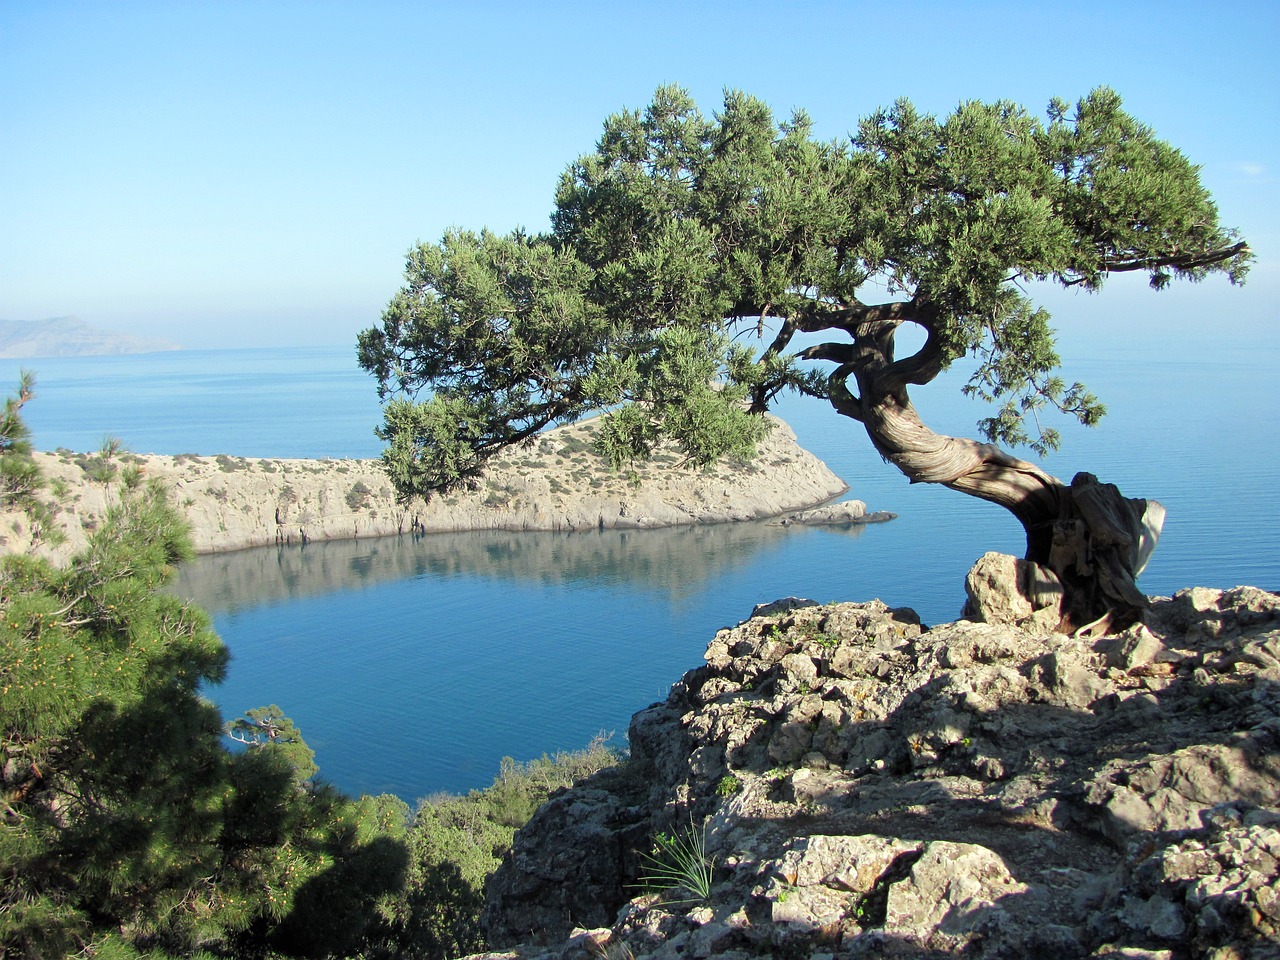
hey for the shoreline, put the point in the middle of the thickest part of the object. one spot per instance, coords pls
(556, 483)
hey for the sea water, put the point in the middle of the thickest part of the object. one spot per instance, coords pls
(414, 665)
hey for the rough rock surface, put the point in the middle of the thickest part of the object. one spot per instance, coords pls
(835, 514)
(867, 787)
(1005, 589)
(556, 483)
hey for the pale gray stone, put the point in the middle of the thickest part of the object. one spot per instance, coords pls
(902, 790)
(1005, 589)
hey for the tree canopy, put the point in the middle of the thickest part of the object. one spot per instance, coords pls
(682, 239)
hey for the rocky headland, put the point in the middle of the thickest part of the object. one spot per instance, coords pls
(557, 482)
(854, 783)
(70, 337)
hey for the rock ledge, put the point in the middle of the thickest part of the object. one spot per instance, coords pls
(867, 786)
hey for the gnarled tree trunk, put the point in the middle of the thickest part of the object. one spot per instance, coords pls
(1089, 535)
(1093, 538)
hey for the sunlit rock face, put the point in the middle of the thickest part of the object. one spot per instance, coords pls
(862, 785)
(557, 482)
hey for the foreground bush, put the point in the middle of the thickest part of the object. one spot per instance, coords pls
(127, 827)
(456, 842)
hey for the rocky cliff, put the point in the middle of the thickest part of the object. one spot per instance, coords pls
(856, 784)
(556, 483)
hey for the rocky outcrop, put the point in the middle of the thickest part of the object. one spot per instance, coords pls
(1005, 589)
(557, 482)
(867, 786)
(835, 514)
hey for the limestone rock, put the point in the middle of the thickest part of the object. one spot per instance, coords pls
(578, 849)
(835, 514)
(1004, 589)
(866, 786)
(556, 482)
(951, 896)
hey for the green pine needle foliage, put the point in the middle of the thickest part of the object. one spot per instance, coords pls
(127, 829)
(700, 266)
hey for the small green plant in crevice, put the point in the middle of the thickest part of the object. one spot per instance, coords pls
(728, 785)
(813, 634)
(679, 863)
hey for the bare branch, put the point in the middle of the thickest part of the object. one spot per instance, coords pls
(835, 352)
(1182, 261)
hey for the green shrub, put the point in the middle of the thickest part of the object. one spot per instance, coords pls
(358, 495)
(572, 445)
(456, 842)
(679, 867)
(728, 785)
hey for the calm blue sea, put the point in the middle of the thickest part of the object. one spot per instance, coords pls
(413, 666)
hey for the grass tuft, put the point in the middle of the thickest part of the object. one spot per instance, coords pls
(679, 863)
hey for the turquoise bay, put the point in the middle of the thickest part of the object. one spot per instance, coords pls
(414, 665)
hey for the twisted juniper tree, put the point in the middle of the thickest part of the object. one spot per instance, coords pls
(682, 239)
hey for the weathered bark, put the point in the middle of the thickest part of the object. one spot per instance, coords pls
(1094, 539)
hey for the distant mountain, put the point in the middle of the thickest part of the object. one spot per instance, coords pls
(70, 337)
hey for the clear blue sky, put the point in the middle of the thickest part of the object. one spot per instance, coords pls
(251, 173)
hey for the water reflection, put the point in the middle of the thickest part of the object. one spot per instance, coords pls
(415, 665)
(675, 561)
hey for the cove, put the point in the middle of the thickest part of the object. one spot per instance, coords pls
(413, 664)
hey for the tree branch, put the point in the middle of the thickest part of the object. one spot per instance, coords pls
(1182, 261)
(842, 398)
(922, 366)
(835, 352)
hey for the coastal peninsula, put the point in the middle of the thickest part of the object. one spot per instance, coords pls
(558, 482)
